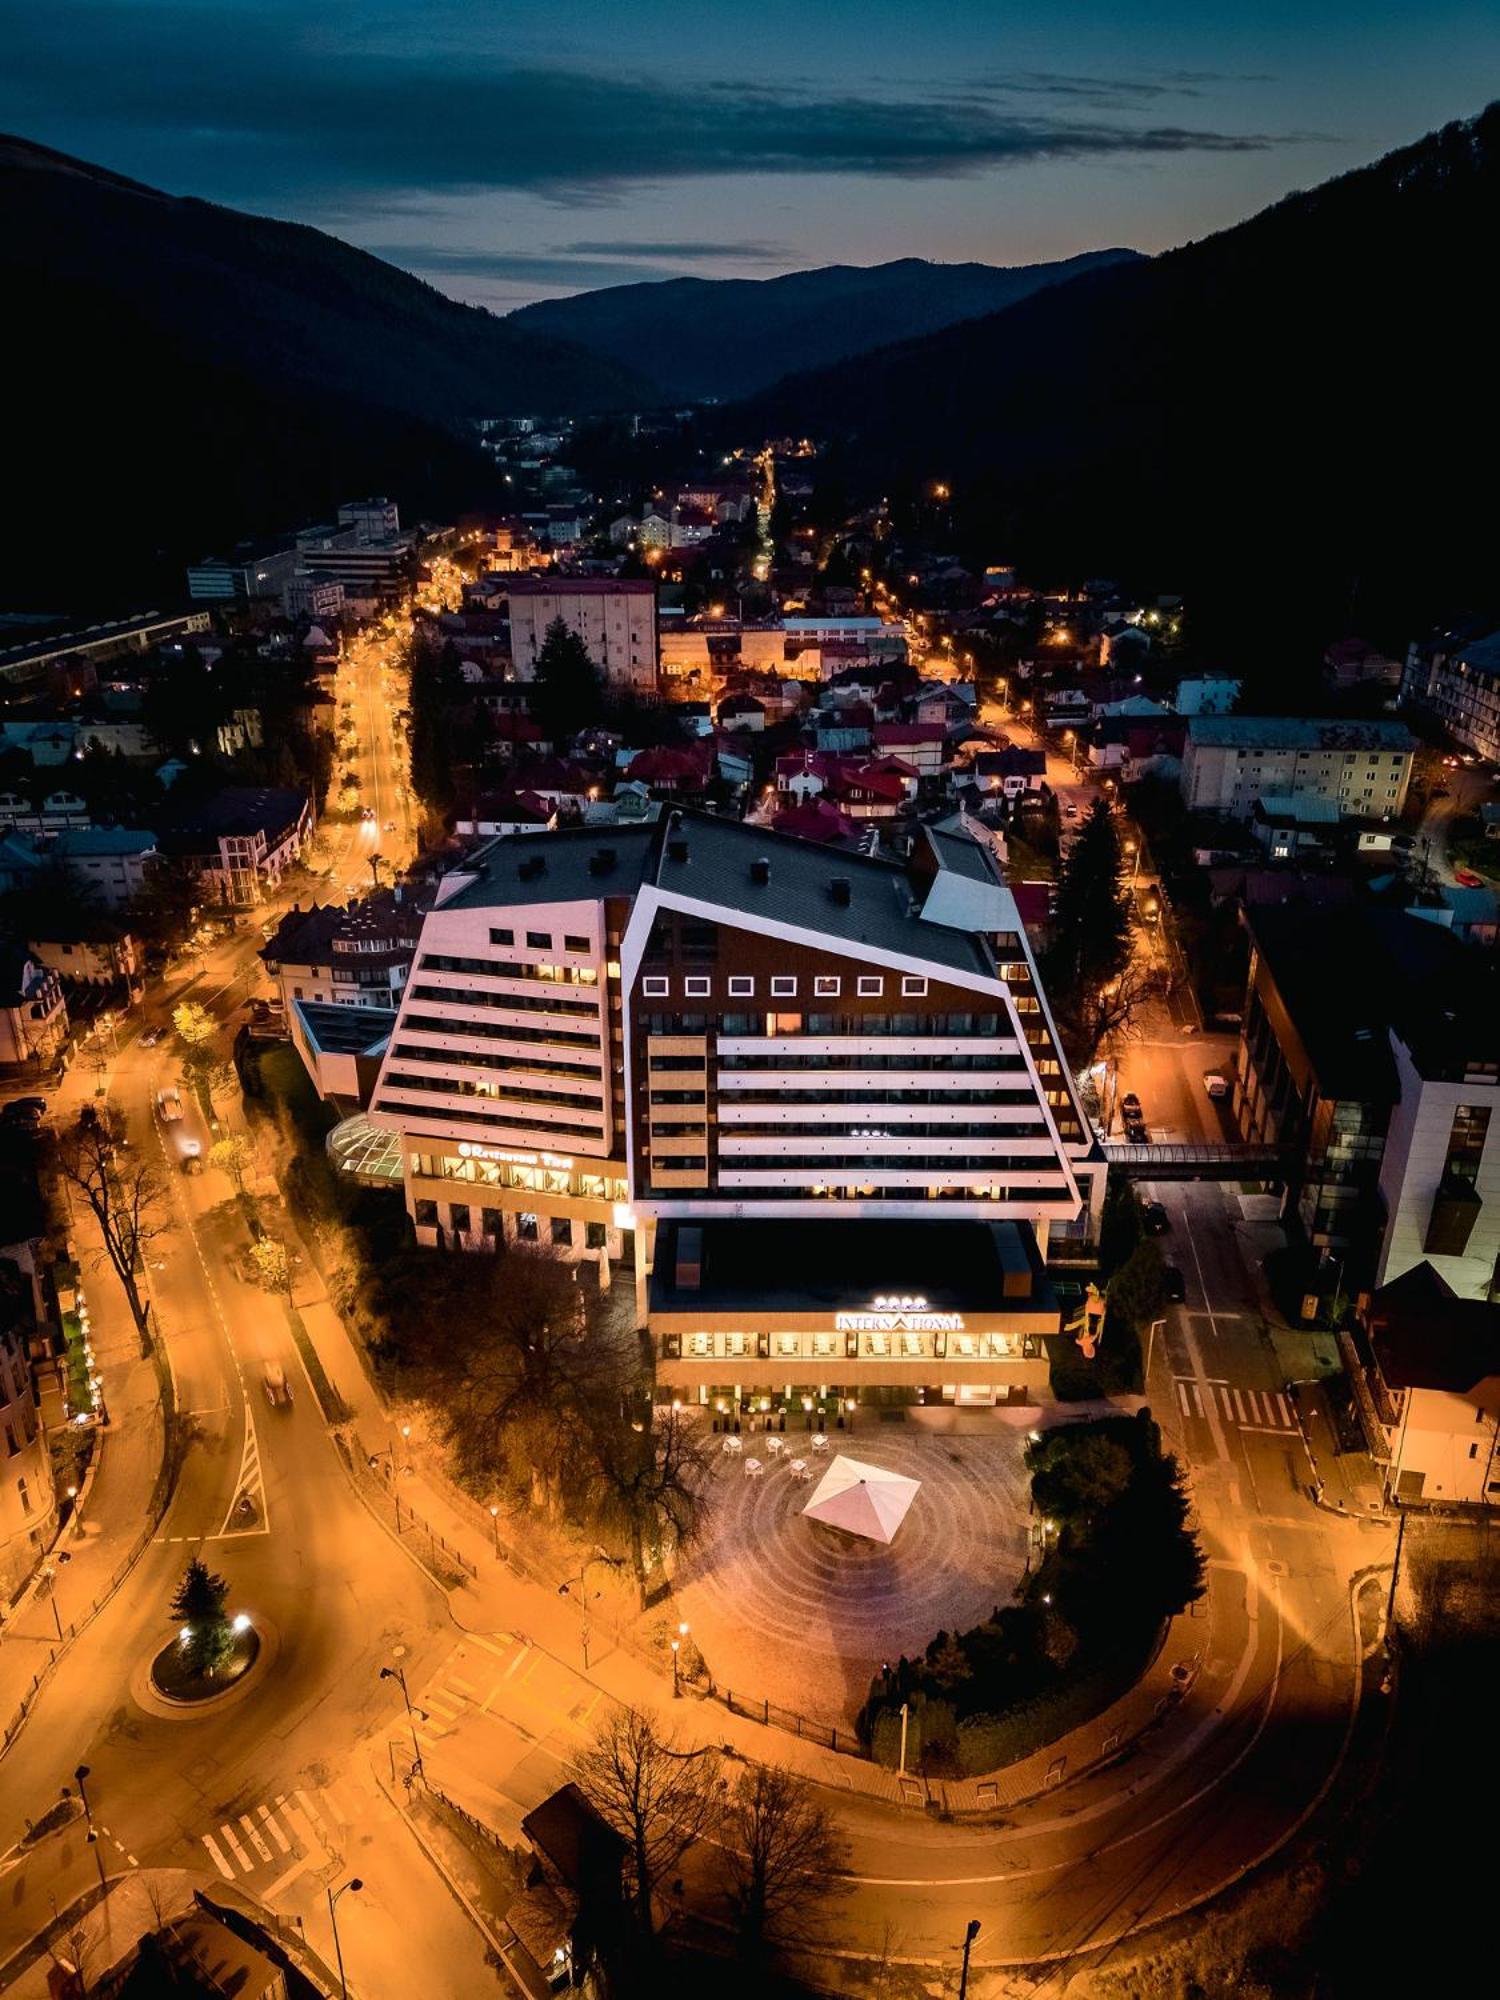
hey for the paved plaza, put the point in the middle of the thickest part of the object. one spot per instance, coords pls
(785, 1609)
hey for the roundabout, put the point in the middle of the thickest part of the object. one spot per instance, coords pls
(166, 1687)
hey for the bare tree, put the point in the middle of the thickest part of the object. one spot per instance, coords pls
(659, 1798)
(655, 1486)
(1110, 1011)
(782, 1858)
(125, 1196)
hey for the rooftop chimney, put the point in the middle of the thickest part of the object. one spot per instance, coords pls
(842, 890)
(760, 871)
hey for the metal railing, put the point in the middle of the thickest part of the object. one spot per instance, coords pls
(773, 1716)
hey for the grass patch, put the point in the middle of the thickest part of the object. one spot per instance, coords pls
(335, 1409)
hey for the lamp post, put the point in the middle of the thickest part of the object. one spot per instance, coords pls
(566, 1590)
(1150, 1346)
(970, 1933)
(356, 1885)
(676, 1680)
(398, 1674)
(80, 1775)
(51, 1575)
(905, 1710)
(495, 1527)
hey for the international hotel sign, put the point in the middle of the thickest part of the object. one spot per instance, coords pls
(898, 1315)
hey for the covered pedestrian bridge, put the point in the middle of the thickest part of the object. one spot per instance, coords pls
(1222, 1160)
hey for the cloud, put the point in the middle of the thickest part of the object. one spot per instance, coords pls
(273, 104)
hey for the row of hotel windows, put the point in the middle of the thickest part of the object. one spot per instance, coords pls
(849, 1346)
(580, 1066)
(499, 1031)
(510, 1003)
(784, 986)
(510, 1121)
(737, 1188)
(529, 1228)
(512, 1174)
(508, 968)
(448, 1086)
(542, 941)
(860, 1025)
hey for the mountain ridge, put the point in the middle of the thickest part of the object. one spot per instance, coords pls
(727, 337)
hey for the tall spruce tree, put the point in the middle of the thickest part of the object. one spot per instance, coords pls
(567, 694)
(1091, 935)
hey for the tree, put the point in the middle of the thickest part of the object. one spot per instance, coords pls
(1091, 932)
(437, 690)
(170, 898)
(567, 692)
(125, 1197)
(658, 1798)
(654, 1487)
(198, 1607)
(781, 1856)
(272, 1265)
(199, 1033)
(233, 1156)
(1137, 1291)
(1109, 1011)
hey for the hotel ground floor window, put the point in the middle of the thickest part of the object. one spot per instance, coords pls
(490, 1222)
(425, 1215)
(461, 1223)
(528, 1229)
(562, 1232)
(596, 1236)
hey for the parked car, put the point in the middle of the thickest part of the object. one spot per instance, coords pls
(190, 1156)
(278, 1389)
(1137, 1131)
(1173, 1288)
(1216, 1083)
(24, 1111)
(1467, 879)
(1156, 1219)
(151, 1036)
(1130, 1105)
(169, 1104)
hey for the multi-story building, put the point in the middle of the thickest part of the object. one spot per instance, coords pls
(373, 520)
(354, 955)
(1456, 678)
(27, 1501)
(251, 574)
(243, 839)
(365, 569)
(1427, 1379)
(1379, 1081)
(308, 595)
(33, 1010)
(1230, 761)
(615, 617)
(705, 1029)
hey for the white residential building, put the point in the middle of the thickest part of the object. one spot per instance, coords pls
(1230, 761)
(615, 617)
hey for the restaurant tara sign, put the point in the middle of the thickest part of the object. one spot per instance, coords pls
(899, 1315)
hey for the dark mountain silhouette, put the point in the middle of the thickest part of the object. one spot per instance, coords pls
(1293, 421)
(722, 337)
(183, 374)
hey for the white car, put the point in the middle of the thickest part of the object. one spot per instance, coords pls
(1216, 1083)
(169, 1104)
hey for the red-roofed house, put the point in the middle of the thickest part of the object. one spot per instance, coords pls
(816, 819)
(670, 770)
(922, 745)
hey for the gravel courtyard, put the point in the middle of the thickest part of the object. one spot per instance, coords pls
(787, 1609)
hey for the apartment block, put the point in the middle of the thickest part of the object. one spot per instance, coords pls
(615, 617)
(1456, 679)
(1231, 761)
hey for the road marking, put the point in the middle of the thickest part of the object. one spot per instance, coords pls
(315, 1819)
(226, 1834)
(275, 1831)
(252, 1834)
(250, 1486)
(1282, 1411)
(1239, 1407)
(283, 1882)
(517, 1661)
(218, 1860)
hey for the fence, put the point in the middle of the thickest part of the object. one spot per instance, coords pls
(381, 1492)
(773, 1716)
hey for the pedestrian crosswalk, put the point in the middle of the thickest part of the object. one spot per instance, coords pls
(505, 1677)
(1265, 1411)
(287, 1833)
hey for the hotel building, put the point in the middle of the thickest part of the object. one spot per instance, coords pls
(820, 1093)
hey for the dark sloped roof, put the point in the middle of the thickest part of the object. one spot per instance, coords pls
(1426, 1337)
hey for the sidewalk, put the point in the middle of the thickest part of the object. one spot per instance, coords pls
(116, 1514)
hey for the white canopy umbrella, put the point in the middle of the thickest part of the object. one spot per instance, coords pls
(862, 1499)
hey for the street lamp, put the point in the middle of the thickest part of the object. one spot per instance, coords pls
(495, 1527)
(51, 1575)
(355, 1884)
(397, 1674)
(566, 1590)
(970, 1934)
(80, 1775)
(676, 1681)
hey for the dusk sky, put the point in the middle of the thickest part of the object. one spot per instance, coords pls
(513, 152)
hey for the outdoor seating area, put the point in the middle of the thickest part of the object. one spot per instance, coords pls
(807, 1578)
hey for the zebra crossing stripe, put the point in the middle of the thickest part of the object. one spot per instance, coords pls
(1282, 1410)
(274, 1830)
(217, 1858)
(252, 1834)
(226, 1834)
(315, 1819)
